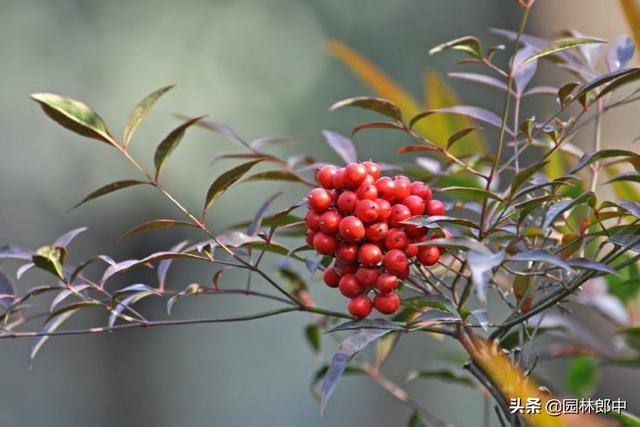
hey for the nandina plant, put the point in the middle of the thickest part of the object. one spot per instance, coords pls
(508, 214)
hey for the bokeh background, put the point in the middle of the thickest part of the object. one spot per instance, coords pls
(259, 66)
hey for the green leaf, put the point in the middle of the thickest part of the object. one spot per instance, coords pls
(416, 420)
(379, 105)
(170, 142)
(435, 221)
(156, 224)
(75, 116)
(50, 259)
(524, 175)
(192, 289)
(475, 192)
(468, 44)
(582, 377)
(276, 175)
(558, 208)
(589, 158)
(631, 76)
(312, 334)
(460, 135)
(139, 111)
(628, 177)
(627, 419)
(440, 374)
(561, 45)
(110, 188)
(226, 180)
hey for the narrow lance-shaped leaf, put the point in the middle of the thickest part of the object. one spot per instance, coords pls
(66, 239)
(7, 291)
(348, 348)
(468, 44)
(562, 206)
(379, 105)
(523, 73)
(341, 145)
(75, 116)
(312, 334)
(481, 265)
(589, 158)
(539, 255)
(156, 224)
(226, 180)
(170, 142)
(480, 78)
(472, 112)
(139, 111)
(561, 45)
(110, 188)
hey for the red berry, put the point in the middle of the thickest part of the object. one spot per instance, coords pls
(310, 235)
(324, 243)
(399, 213)
(319, 200)
(331, 277)
(422, 190)
(411, 250)
(428, 255)
(312, 219)
(384, 208)
(329, 222)
(373, 169)
(340, 179)
(351, 229)
(402, 187)
(415, 204)
(324, 176)
(367, 210)
(396, 262)
(347, 252)
(415, 231)
(396, 239)
(360, 306)
(349, 286)
(386, 282)
(355, 173)
(435, 208)
(377, 231)
(346, 268)
(387, 303)
(367, 276)
(369, 254)
(367, 190)
(386, 188)
(347, 202)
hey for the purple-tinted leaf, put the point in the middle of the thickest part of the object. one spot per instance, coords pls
(254, 226)
(620, 53)
(590, 52)
(379, 105)
(170, 143)
(601, 80)
(523, 73)
(628, 241)
(539, 255)
(66, 293)
(632, 76)
(558, 208)
(138, 287)
(226, 180)
(542, 90)
(158, 256)
(377, 125)
(434, 221)
(627, 177)
(124, 304)
(476, 113)
(266, 157)
(481, 265)
(348, 348)
(585, 264)
(23, 269)
(156, 224)
(220, 128)
(139, 111)
(459, 242)
(468, 44)
(366, 324)
(7, 291)
(109, 188)
(15, 252)
(436, 315)
(276, 175)
(341, 145)
(260, 143)
(482, 317)
(164, 265)
(589, 158)
(631, 207)
(76, 272)
(192, 289)
(67, 238)
(480, 78)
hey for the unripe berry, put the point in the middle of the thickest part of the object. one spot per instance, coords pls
(396, 239)
(367, 276)
(355, 173)
(319, 200)
(377, 231)
(415, 204)
(428, 255)
(386, 282)
(331, 277)
(373, 169)
(347, 252)
(435, 208)
(422, 190)
(367, 210)
(312, 219)
(386, 188)
(387, 303)
(396, 262)
(349, 286)
(360, 306)
(324, 176)
(351, 229)
(324, 244)
(329, 222)
(367, 191)
(340, 179)
(399, 213)
(347, 202)
(369, 254)
(402, 188)
(384, 209)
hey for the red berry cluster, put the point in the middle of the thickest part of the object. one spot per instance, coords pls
(357, 217)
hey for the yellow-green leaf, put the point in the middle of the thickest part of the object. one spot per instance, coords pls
(139, 111)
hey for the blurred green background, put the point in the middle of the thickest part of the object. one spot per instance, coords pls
(261, 67)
